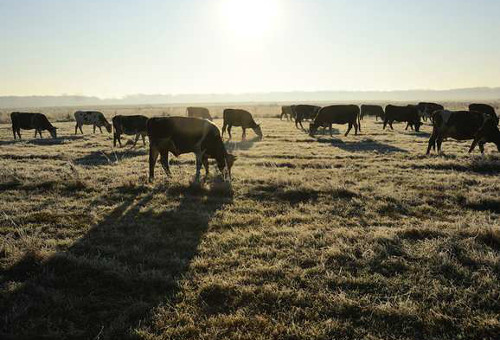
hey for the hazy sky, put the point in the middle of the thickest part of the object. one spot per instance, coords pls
(113, 48)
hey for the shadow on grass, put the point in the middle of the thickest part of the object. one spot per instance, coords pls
(110, 281)
(365, 145)
(42, 141)
(97, 158)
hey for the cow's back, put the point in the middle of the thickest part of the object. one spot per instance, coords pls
(238, 117)
(338, 114)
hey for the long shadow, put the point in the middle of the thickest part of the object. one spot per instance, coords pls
(365, 145)
(42, 141)
(98, 158)
(111, 280)
(242, 145)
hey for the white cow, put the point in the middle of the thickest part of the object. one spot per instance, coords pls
(94, 118)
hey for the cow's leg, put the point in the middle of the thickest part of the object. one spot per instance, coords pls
(390, 124)
(331, 133)
(80, 127)
(19, 133)
(199, 163)
(36, 132)
(385, 124)
(205, 165)
(94, 128)
(229, 132)
(14, 132)
(143, 140)
(164, 162)
(136, 139)
(100, 129)
(40, 133)
(356, 128)
(432, 143)
(224, 126)
(481, 147)
(153, 156)
(407, 124)
(115, 138)
(76, 128)
(439, 142)
(348, 129)
(244, 135)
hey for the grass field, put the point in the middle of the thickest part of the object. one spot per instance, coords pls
(318, 238)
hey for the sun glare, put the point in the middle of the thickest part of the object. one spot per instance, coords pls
(250, 18)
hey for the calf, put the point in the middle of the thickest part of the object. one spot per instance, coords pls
(336, 114)
(484, 108)
(199, 112)
(303, 112)
(129, 125)
(462, 125)
(181, 135)
(94, 118)
(427, 109)
(407, 114)
(287, 111)
(237, 117)
(30, 121)
(372, 110)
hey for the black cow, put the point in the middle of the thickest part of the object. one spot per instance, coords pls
(129, 125)
(199, 112)
(463, 125)
(303, 112)
(288, 112)
(427, 109)
(238, 117)
(181, 135)
(484, 108)
(407, 114)
(336, 114)
(30, 121)
(372, 110)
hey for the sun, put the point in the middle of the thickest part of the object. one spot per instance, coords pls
(249, 18)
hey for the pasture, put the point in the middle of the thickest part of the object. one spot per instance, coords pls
(317, 238)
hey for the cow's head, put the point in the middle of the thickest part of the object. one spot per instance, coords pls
(258, 130)
(108, 126)
(312, 128)
(53, 132)
(487, 133)
(418, 124)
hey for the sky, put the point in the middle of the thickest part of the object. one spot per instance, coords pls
(112, 48)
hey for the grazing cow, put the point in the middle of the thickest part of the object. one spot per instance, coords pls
(30, 121)
(427, 109)
(237, 117)
(407, 114)
(336, 114)
(129, 125)
(463, 125)
(287, 111)
(484, 108)
(372, 110)
(181, 135)
(303, 112)
(94, 118)
(199, 112)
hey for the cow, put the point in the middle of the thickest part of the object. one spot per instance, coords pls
(180, 135)
(238, 117)
(30, 121)
(303, 112)
(129, 125)
(463, 125)
(484, 108)
(94, 118)
(336, 114)
(407, 114)
(426, 109)
(287, 111)
(372, 110)
(199, 112)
